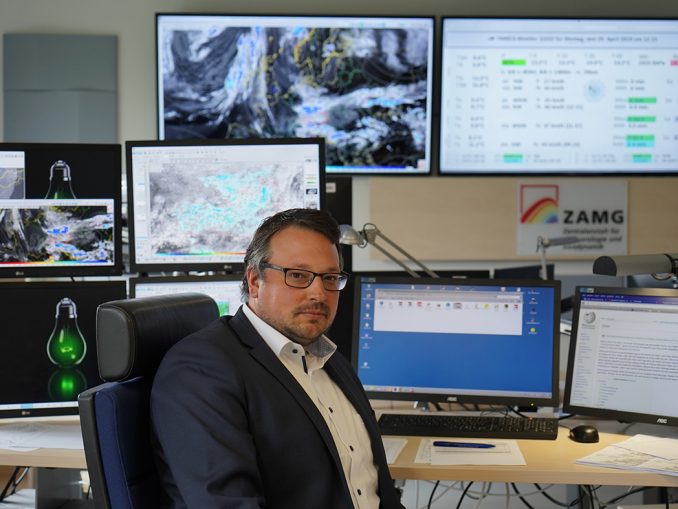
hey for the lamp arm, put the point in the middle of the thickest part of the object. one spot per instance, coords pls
(394, 259)
(541, 247)
(377, 233)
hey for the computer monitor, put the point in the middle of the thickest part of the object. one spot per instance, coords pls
(528, 96)
(365, 84)
(225, 290)
(623, 355)
(466, 341)
(50, 337)
(194, 204)
(524, 272)
(60, 209)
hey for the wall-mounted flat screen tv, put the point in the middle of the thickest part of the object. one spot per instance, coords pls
(530, 96)
(363, 83)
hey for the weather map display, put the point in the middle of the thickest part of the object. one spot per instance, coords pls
(60, 209)
(364, 84)
(568, 96)
(195, 204)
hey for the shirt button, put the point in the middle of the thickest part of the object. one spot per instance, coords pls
(330, 409)
(360, 492)
(351, 448)
(295, 351)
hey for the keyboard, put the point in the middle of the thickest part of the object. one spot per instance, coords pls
(476, 426)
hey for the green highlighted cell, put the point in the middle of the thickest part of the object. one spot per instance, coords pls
(514, 61)
(641, 119)
(513, 158)
(642, 100)
(640, 140)
(642, 158)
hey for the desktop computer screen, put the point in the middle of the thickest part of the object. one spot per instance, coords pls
(467, 341)
(60, 209)
(50, 344)
(623, 355)
(193, 205)
(225, 290)
(526, 96)
(365, 84)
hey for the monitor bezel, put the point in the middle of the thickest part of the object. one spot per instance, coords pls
(77, 270)
(433, 76)
(618, 415)
(527, 402)
(541, 173)
(71, 408)
(190, 267)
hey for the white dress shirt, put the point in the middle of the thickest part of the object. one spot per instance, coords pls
(345, 424)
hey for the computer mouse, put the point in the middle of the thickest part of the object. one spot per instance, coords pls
(584, 433)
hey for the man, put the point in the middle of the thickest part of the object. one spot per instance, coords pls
(257, 409)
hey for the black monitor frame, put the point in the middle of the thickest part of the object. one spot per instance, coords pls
(377, 73)
(39, 158)
(605, 413)
(201, 266)
(40, 372)
(532, 402)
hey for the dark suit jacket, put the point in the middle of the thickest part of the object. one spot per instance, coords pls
(232, 428)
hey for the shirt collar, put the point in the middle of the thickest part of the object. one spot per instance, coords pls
(323, 348)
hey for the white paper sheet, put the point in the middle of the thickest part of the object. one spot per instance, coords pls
(393, 446)
(32, 435)
(640, 452)
(504, 452)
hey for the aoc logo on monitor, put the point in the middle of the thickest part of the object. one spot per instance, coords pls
(539, 204)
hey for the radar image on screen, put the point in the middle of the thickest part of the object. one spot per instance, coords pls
(201, 211)
(12, 183)
(54, 231)
(364, 90)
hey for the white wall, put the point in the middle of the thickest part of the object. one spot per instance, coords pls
(134, 23)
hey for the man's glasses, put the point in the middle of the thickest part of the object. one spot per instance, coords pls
(301, 278)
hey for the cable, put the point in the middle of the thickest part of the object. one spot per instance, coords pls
(461, 499)
(430, 499)
(515, 488)
(13, 482)
(487, 486)
(620, 497)
(553, 500)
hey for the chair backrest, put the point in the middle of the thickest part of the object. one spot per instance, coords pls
(132, 337)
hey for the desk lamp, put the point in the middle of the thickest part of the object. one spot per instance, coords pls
(369, 235)
(543, 243)
(660, 266)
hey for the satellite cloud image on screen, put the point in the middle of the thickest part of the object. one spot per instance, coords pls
(364, 90)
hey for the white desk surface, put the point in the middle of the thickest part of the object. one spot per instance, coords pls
(58, 458)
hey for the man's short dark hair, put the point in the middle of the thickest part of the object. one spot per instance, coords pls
(258, 251)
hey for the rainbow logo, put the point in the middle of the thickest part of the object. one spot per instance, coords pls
(539, 204)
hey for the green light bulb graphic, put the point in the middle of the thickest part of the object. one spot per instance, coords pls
(65, 384)
(60, 182)
(66, 345)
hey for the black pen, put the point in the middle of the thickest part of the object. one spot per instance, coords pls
(470, 445)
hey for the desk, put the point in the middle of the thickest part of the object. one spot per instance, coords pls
(548, 461)
(57, 478)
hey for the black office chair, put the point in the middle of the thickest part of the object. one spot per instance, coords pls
(132, 337)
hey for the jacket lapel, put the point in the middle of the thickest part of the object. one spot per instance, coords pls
(263, 354)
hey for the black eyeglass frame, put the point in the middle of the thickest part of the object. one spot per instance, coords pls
(341, 280)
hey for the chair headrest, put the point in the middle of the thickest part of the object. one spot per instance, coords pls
(133, 335)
